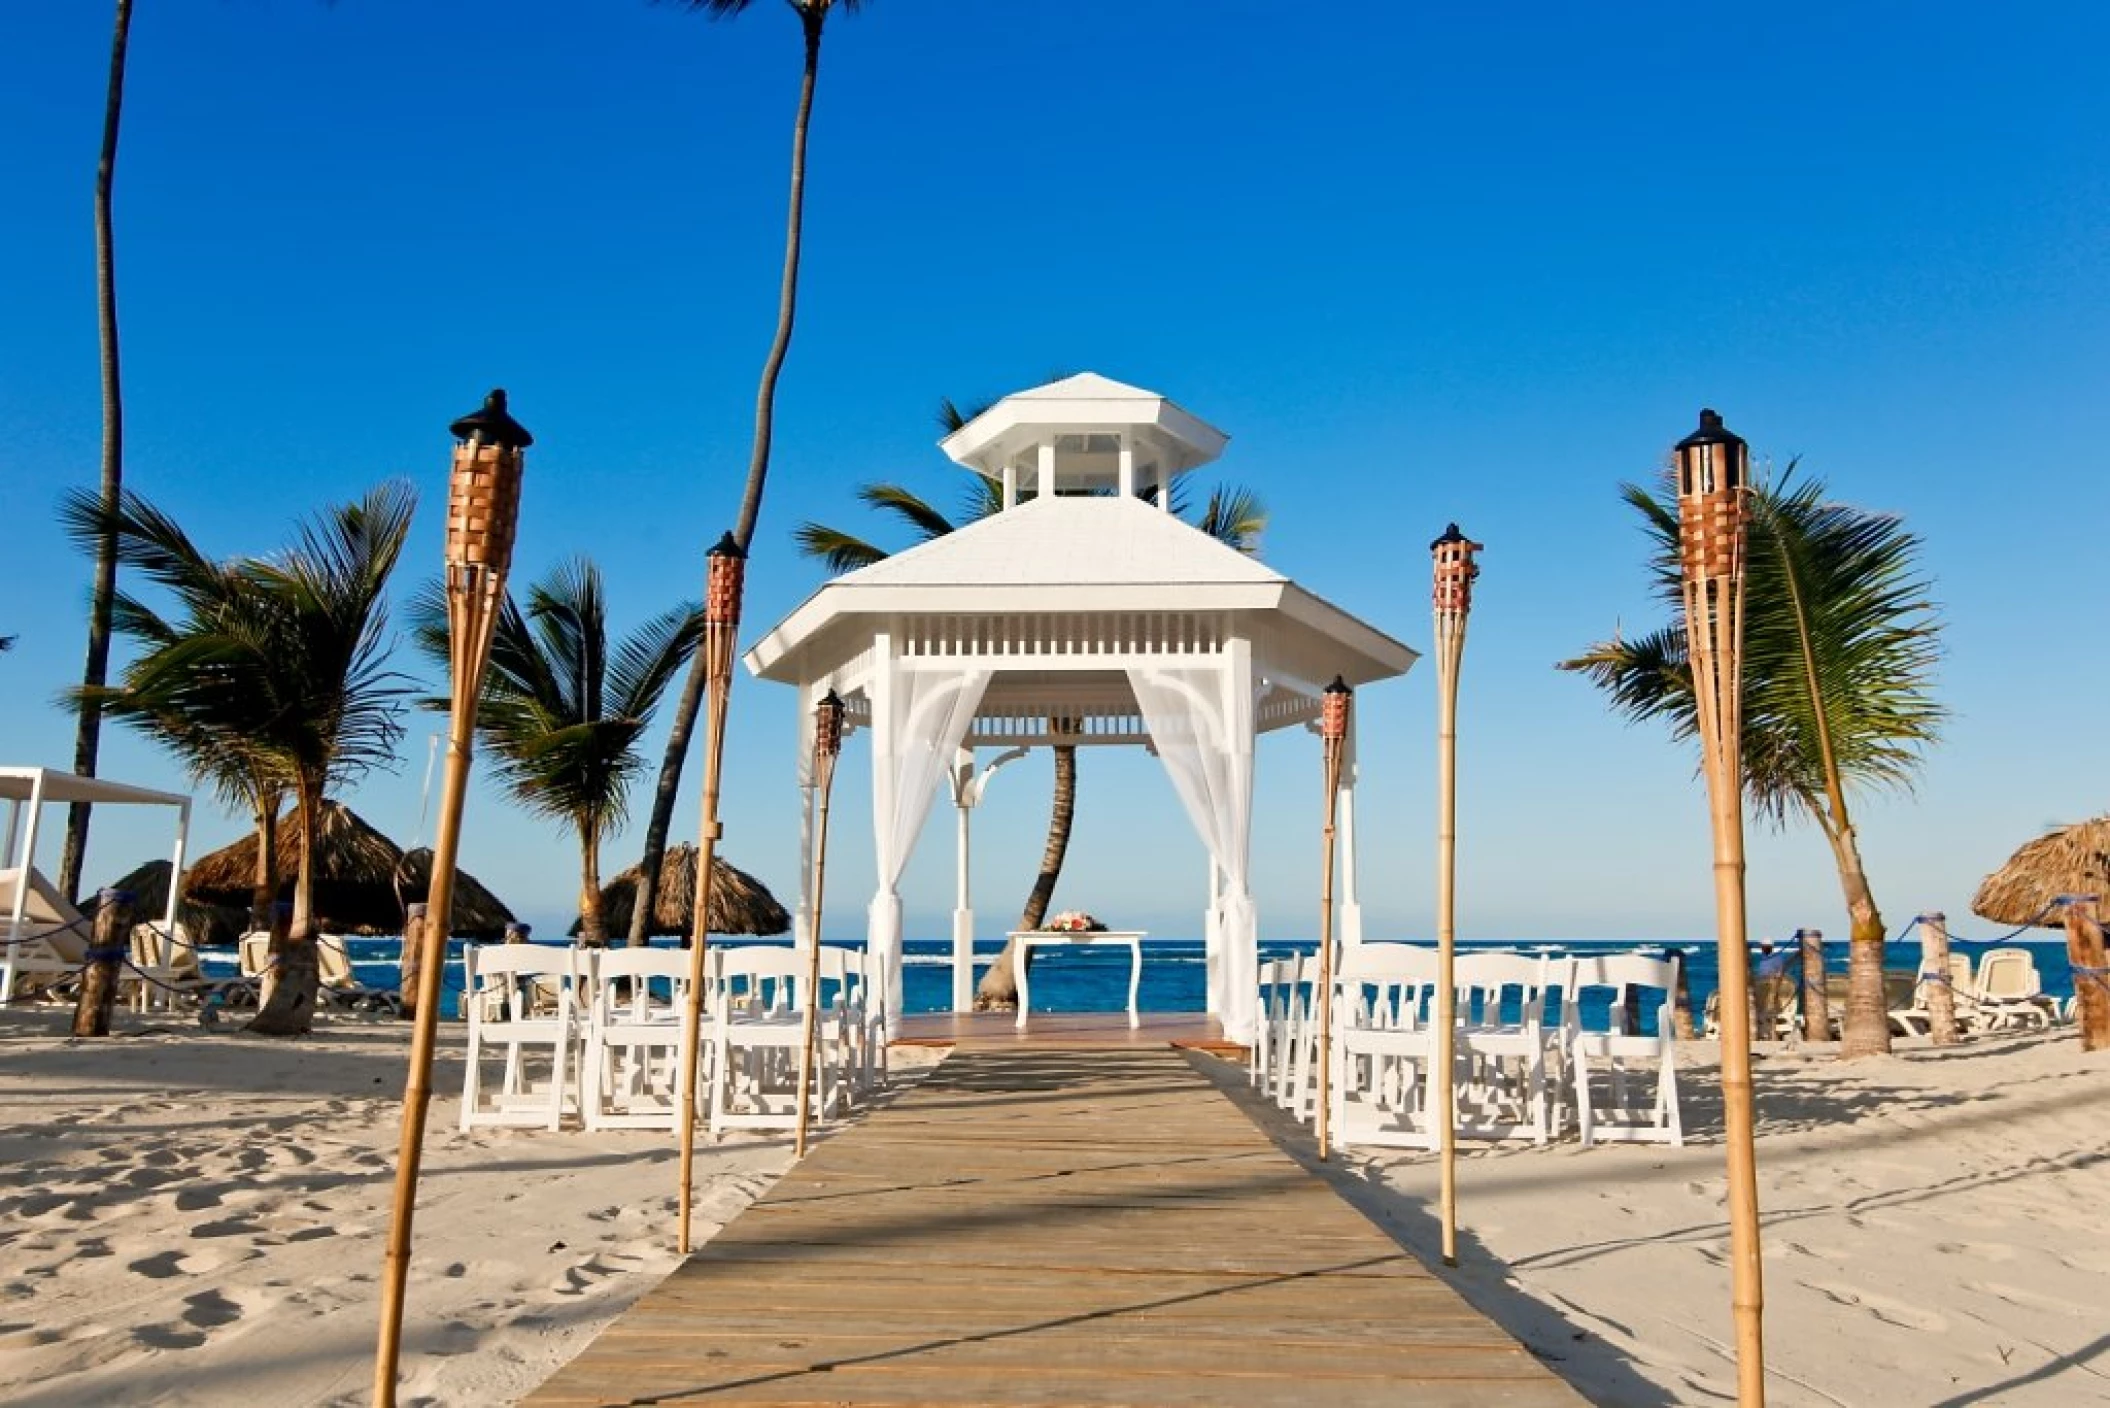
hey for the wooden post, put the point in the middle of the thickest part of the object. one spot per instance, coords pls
(721, 624)
(1333, 737)
(413, 960)
(1712, 513)
(1934, 968)
(1816, 1000)
(483, 510)
(827, 744)
(2091, 975)
(1455, 571)
(107, 952)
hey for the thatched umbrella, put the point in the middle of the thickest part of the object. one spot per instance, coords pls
(740, 904)
(2074, 860)
(355, 879)
(208, 924)
(478, 914)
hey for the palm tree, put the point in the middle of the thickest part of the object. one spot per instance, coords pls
(177, 690)
(813, 14)
(88, 728)
(1234, 517)
(275, 681)
(1840, 641)
(561, 710)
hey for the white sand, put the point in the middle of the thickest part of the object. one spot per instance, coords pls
(1936, 1231)
(193, 1218)
(189, 1218)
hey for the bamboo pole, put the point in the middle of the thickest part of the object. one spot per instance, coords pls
(1712, 513)
(721, 623)
(827, 744)
(483, 509)
(1454, 571)
(1333, 736)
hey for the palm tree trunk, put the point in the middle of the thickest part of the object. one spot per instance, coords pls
(999, 986)
(1866, 1030)
(290, 1009)
(683, 728)
(96, 672)
(593, 930)
(265, 892)
(662, 818)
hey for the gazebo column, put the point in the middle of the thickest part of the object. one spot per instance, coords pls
(1241, 937)
(1126, 472)
(883, 918)
(1044, 471)
(1351, 895)
(1010, 486)
(964, 795)
(802, 917)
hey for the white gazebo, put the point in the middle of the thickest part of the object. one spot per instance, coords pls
(1086, 614)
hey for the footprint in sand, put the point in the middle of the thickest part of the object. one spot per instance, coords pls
(209, 1310)
(163, 1265)
(227, 1227)
(1890, 1312)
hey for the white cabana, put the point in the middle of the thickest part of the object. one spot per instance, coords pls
(1081, 614)
(27, 791)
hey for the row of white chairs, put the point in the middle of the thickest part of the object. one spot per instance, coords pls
(1517, 1073)
(597, 1035)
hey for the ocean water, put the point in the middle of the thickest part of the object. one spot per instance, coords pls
(1175, 976)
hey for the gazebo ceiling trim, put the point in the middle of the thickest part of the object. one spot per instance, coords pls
(1063, 584)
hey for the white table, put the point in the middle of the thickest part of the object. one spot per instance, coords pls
(1029, 939)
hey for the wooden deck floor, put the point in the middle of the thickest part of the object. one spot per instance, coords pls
(1036, 1226)
(1077, 1031)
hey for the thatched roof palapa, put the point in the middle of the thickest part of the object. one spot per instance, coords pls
(478, 914)
(2074, 860)
(357, 877)
(740, 904)
(212, 924)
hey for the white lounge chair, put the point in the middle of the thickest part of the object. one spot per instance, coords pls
(2011, 991)
(51, 943)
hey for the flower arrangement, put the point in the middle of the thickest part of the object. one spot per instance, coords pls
(1073, 921)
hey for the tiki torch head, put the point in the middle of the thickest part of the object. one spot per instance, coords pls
(1713, 463)
(483, 493)
(1454, 571)
(828, 725)
(723, 581)
(1333, 714)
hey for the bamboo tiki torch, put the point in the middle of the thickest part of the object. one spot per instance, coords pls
(1333, 738)
(1712, 514)
(1454, 574)
(721, 626)
(827, 745)
(483, 508)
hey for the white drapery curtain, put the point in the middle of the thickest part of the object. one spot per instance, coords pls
(1201, 723)
(919, 718)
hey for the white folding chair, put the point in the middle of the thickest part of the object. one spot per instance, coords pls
(1297, 1056)
(636, 1028)
(1616, 1096)
(862, 999)
(1278, 978)
(1385, 1047)
(1503, 1095)
(499, 984)
(757, 1030)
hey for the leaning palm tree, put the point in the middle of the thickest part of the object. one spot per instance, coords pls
(1840, 641)
(95, 672)
(1234, 517)
(813, 15)
(561, 710)
(277, 673)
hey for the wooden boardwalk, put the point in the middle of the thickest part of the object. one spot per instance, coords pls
(1054, 1227)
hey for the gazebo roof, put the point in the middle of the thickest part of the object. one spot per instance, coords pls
(1081, 412)
(1109, 558)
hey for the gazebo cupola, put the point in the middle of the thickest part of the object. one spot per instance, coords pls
(1084, 434)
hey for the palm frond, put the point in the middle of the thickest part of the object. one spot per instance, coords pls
(841, 551)
(910, 507)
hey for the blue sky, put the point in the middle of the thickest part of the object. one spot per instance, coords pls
(1422, 262)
